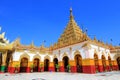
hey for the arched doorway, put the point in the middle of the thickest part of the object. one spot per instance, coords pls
(110, 62)
(46, 65)
(55, 64)
(96, 62)
(36, 65)
(118, 62)
(104, 62)
(65, 62)
(78, 61)
(23, 65)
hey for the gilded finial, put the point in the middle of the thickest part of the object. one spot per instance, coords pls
(71, 15)
(32, 44)
(71, 11)
(95, 38)
(17, 42)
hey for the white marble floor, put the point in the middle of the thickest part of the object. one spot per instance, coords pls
(115, 75)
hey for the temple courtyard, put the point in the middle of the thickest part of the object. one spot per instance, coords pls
(114, 75)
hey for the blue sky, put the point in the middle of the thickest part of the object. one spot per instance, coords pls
(39, 20)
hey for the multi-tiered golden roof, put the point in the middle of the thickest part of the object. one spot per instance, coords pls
(72, 34)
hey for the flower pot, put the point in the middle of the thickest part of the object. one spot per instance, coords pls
(69, 70)
(16, 71)
(31, 70)
(57, 70)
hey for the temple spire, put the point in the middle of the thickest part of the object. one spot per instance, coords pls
(71, 15)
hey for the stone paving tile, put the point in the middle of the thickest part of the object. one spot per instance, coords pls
(115, 75)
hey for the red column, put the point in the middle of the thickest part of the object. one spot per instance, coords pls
(61, 68)
(51, 67)
(89, 69)
(73, 66)
(73, 69)
(115, 65)
(41, 68)
(28, 69)
(100, 67)
(11, 69)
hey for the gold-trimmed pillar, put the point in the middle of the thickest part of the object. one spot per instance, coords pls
(88, 66)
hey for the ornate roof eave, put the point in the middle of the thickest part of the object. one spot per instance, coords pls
(2, 35)
(31, 47)
(86, 45)
(58, 47)
(95, 42)
(17, 43)
(7, 47)
(24, 47)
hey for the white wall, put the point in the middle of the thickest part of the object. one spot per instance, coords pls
(84, 52)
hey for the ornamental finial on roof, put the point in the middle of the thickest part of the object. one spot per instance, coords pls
(71, 15)
(32, 44)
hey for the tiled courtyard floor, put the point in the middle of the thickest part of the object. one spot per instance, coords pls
(115, 75)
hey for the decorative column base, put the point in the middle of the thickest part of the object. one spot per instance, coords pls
(73, 69)
(108, 68)
(38, 69)
(89, 69)
(61, 66)
(42, 69)
(41, 66)
(2, 69)
(51, 69)
(61, 69)
(115, 67)
(73, 66)
(88, 66)
(11, 69)
(28, 70)
(100, 68)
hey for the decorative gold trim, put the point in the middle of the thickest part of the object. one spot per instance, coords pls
(25, 55)
(37, 56)
(47, 57)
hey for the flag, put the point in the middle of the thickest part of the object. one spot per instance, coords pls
(111, 40)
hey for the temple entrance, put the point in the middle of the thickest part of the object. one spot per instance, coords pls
(23, 65)
(36, 65)
(65, 62)
(55, 64)
(46, 65)
(78, 61)
(110, 62)
(96, 62)
(104, 62)
(118, 62)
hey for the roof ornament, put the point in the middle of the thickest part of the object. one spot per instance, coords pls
(71, 15)
(17, 42)
(32, 44)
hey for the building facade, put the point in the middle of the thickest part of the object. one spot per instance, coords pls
(73, 52)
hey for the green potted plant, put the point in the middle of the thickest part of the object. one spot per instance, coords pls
(105, 67)
(57, 66)
(31, 68)
(69, 68)
(16, 69)
(41, 67)
(96, 70)
(111, 67)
